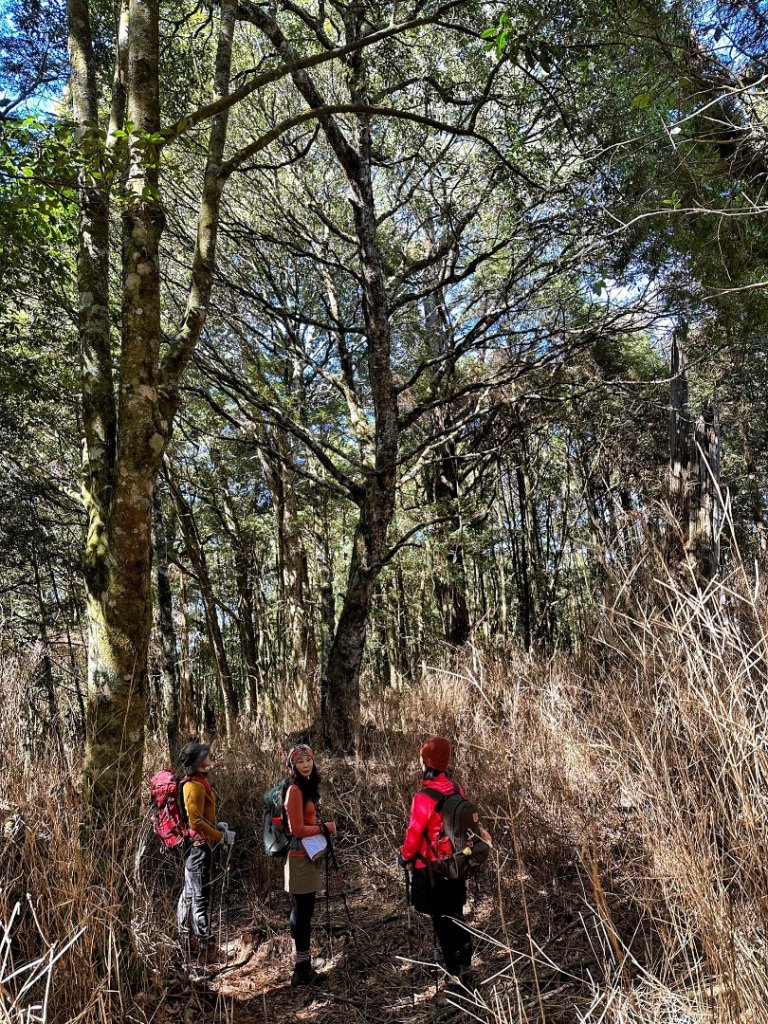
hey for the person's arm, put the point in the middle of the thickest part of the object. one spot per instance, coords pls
(294, 812)
(421, 810)
(194, 802)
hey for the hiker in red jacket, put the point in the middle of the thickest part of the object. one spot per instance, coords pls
(442, 898)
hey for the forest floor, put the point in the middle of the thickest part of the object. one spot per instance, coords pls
(541, 952)
(375, 970)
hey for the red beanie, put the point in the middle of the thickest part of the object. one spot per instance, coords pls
(436, 753)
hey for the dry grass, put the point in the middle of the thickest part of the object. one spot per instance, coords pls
(627, 798)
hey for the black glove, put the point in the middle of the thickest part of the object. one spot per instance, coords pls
(402, 862)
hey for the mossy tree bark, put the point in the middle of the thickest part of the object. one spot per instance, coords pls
(128, 409)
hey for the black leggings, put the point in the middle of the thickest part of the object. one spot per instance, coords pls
(443, 899)
(302, 908)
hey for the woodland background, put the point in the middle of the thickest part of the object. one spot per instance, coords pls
(371, 369)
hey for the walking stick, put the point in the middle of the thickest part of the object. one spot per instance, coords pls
(227, 884)
(332, 854)
(224, 901)
(328, 905)
(410, 932)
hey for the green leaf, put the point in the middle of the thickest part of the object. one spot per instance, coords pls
(642, 101)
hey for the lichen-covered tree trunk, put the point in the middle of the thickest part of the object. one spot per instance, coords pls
(169, 658)
(341, 710)
(127, 415)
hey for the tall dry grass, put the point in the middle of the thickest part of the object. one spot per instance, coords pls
(626, 792)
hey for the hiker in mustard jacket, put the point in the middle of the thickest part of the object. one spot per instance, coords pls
(202, 834)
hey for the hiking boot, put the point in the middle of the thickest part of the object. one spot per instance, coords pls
(304, 974)
(468, 978)
(450, 988)
(212, 953)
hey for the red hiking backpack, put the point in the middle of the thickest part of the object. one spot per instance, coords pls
(167, 807)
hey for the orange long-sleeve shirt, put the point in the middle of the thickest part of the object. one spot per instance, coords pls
(302, 818)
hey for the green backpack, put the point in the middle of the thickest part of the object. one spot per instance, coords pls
(277, 838)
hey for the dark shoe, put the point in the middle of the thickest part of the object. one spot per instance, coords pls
(211, 953)
(304, 974)
(468, 979)
(449, 989)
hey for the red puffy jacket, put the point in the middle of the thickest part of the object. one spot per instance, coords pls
(425, 821)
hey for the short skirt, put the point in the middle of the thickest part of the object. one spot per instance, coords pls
(302, 875)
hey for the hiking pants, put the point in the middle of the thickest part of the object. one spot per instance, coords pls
(194, 902)
(302, 908)
(444, 902)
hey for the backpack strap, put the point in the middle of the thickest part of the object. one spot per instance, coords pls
(439, 799)
(182, 805)
(295, 844)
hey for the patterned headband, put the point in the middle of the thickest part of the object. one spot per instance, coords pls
(302, 750)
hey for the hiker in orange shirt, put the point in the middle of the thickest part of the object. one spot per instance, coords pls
(303, 877)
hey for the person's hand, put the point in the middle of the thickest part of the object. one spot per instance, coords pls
(402, 862)
(330, 828)
(222, 826)
(229, 837)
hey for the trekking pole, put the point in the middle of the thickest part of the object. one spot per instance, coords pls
(328, 906)
(224, 900)
(227, 885)
(340, 879)
(410, 932)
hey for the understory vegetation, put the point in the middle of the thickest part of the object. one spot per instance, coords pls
(372, 369)
(625, 791)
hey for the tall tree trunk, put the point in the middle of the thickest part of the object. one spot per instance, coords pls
(450, 587)
(119, 478)
(169, 659)
(187, 717)
(443, 483)
(125, 435)
(679, 451)
(295, 624)
(197, 557)
(376, 498)
(705, 491)
(242, 556)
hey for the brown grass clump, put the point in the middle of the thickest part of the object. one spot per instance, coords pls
(625, 792)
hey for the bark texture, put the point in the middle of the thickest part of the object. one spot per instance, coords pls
(128, 409)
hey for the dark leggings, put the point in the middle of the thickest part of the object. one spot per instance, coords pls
(443, 899)
(302, 908)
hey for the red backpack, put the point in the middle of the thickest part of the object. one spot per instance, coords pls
(167, 807)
